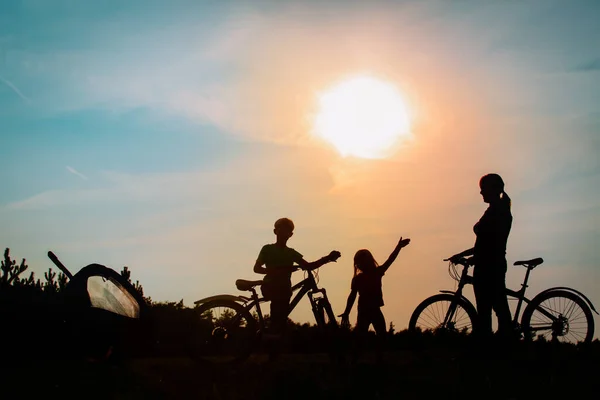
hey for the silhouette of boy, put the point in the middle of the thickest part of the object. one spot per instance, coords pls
(277, 261)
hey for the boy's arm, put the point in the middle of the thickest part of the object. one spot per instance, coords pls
(259, 268)
(401, 243)
(333, 256)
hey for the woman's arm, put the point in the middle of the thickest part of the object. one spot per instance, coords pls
(466, 253)
(401, 243)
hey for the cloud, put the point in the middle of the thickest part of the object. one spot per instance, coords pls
(252, 73)
(593, 65)
(75, 172)
(15, 89)
(251, 176)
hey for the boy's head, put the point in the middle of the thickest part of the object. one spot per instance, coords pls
(284, 228)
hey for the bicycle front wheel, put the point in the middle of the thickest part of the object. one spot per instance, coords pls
(226, 332)
(329, 336)
(444, 312)
(560, 316)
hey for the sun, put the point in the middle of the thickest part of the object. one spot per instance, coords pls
(362, 117)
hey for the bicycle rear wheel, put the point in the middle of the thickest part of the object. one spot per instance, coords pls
(226, 332)
(433, 314)
(560, 316)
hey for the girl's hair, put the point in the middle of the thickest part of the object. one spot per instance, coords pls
(495, 182)
(363, 261)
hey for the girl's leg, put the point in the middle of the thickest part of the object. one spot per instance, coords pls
(361, 329)
(363, 321)
(379, 323)
(380, 329)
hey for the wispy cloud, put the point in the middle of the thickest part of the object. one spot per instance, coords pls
(593, 65)
(15, 89)
(219, 188)
(75, 172)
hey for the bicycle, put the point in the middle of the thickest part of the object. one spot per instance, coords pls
(559, 313)
(228, 330)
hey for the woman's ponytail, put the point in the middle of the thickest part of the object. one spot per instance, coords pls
(505, 199)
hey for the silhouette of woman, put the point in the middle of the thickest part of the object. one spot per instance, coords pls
(489, 258)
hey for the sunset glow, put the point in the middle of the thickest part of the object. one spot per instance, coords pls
(170, 136)
(363, 117)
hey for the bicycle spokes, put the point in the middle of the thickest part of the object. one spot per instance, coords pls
(225, 332)
(561, 318)
(443, 312)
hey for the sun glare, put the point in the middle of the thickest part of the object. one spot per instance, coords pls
(363, 117)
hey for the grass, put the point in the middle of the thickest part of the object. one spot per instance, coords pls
(527, 371)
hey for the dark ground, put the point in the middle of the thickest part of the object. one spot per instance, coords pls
(532, 371)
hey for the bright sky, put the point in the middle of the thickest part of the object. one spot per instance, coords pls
(169, 136)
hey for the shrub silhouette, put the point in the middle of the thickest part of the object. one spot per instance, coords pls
(30, 311)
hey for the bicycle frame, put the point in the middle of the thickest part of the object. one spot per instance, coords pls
(563, 312)
(465, 279)
(519, 294)
(308, 287)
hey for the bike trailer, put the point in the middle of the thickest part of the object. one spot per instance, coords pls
(102, 311)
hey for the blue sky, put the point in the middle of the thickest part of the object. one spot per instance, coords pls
(168, 136)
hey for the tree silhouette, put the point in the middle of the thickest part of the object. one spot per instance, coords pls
(10, 269)
(126, 273)
(11, 272)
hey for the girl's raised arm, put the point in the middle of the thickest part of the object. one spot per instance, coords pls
(401, 243)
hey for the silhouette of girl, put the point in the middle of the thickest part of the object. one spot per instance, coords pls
(367, 284)
(489, 257)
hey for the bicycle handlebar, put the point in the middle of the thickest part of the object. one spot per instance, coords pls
(466, 262)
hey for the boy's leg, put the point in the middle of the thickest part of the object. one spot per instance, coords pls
(279, 298)
(280, 304)
(279, 309)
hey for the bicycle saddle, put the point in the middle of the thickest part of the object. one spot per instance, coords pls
(242, 284)
(530, 263)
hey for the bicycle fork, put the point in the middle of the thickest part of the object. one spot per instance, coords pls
(449, 318)
(448, 324)
(321, 307)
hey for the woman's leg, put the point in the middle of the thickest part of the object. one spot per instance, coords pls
(484, 293)
(500, 305)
